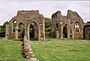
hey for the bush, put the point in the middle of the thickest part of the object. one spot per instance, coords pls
(48, 29)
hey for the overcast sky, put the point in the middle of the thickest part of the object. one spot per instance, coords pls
(9, 8)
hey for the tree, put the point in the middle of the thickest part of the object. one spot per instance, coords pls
(48, 24)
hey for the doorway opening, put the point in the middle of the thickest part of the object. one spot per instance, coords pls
(65, 31)
(33, 31)
(21, 31)
(89, 36)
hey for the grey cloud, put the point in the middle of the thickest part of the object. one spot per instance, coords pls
(8, 9)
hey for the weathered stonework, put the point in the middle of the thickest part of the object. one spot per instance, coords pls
(70, 26)
(27, 50)
(27, 18)
(87, 31)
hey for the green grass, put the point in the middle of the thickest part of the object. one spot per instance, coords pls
(50, 50)
(11, 50)
(62, 50)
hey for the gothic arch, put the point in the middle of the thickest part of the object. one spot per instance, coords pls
(77, 30)
(34, 32)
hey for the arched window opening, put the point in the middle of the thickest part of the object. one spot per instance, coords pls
(14, 25)
(21, 30)
(77, 27)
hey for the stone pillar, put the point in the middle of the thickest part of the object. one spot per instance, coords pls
(39, 34)
(6, 32)
(61, 32)
(28, 35)
(57, 34)
(43, 30)
(68, 34)
(68, 29)
(36, 34)
(72, 33)
(12, 27)
(82, 33)
(16, 32)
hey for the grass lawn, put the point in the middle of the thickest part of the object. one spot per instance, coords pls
(11, 50)
(62, 50)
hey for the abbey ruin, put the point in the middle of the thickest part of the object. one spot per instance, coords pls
(70, 26)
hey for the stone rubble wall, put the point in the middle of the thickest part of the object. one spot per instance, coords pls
(27, 50)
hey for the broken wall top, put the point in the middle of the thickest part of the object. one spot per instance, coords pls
(28, 12)
(28, 15)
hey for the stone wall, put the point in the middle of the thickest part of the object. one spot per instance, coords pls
(27, 50)
(87, 31)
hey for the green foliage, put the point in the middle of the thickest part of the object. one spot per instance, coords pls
(48, 29)
(2, 31)
(48, 25)
(14, 26)
(47, 22)
(3, 28)
(62, 50)
(11, 50)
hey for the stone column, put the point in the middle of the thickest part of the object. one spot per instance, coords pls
(68, 29)
(61, 31)
(68, 34)
(12, 27)
(57, 34)
(16, 32)
(28, 34)
(39, 38)
(6, 32)
(82, 33)
(36, 34)
(72, 33)
(43, 30)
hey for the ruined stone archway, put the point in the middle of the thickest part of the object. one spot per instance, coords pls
(33, 30)
(27, 17)
(70, 19)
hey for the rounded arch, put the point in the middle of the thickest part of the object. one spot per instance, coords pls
(33, 30)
